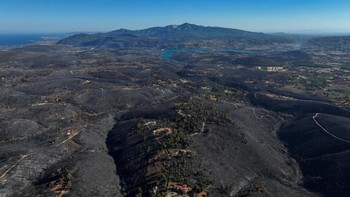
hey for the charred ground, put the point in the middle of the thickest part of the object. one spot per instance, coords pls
(115, 119)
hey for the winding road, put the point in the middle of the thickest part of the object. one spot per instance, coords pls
(256, 116)
(14, 165)
(325, 130)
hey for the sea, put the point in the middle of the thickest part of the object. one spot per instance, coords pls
(11, 40)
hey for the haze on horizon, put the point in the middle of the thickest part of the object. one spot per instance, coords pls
(296, 16)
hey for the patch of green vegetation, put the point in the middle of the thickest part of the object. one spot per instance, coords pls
(345, 67)
(177, 140)
(226, 93)
(5, 57)
(195, 114)
(179, 168)
(316, 82)
(256, 188)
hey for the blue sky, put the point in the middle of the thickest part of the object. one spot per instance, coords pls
(24, 16)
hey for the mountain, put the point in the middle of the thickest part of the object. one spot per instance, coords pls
(186, 30)
(169, 36)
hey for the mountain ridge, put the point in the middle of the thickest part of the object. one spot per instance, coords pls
(183, 28)
(167, 36)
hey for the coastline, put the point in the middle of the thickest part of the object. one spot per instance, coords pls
(36, 39)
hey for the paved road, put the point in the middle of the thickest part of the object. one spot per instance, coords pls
(325, 130)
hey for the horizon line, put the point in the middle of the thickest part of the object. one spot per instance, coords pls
(318, 31)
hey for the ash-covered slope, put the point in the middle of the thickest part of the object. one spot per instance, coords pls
(321, 144)
(318, 138)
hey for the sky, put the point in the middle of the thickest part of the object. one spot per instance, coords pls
(56, 16)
